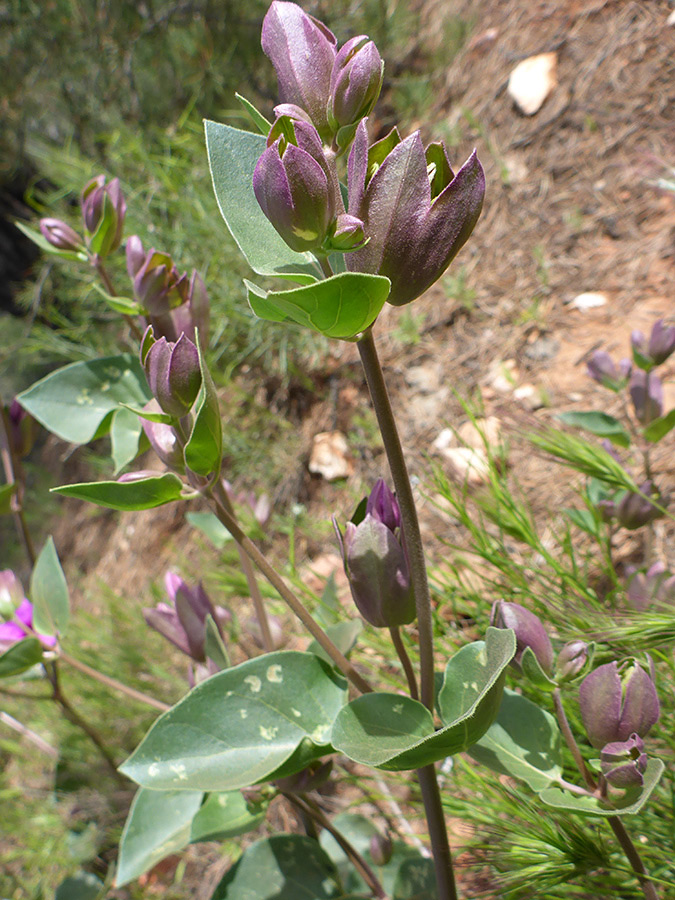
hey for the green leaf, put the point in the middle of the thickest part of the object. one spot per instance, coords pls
(583, 456)
(342, 306)
(583, 519)
(630, 803)
(282, 867)
(241, 725)
(49, 592)
(20, 657)
(123, 305)
(211, 527)
(146, 493)
(125, 436)
(159, 823)
(6, 493)
(83, 886)
(204, 449)
(660, 427)
(533, 671)
(394, 732)
(599, 423)
(343, 634)
(416, 880)
(523, 742)
(259, 120)
(224, 815)
(233, 155)
(214, 646)
(38, 238)
(74, 401)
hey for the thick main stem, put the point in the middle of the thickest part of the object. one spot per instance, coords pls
(270, 573)
(615, 823)
(426, 776)
(410, 522)
(10, 465)
(220, 496)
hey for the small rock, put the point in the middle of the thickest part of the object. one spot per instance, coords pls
(532, 81)
(444, 440)
(476, 434)
(671, 18)
(529, 396)
(503, 376)
(468, 465)
(589, 300)
(542, 348)
(330, 456)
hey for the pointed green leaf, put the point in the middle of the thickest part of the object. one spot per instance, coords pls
(204, 449)
(342, 306)
(631, 802)
(240, 725)
(214, 646)
(20, 657)
(83, 886)
(49, 592)
(257, 117)
(233, 155)
(660, 427)
(393, 732)
(343, 634)
(599, 423)
(146, 493)
(38, 238)
(125, 436)
(159, 823)
(123, 305)
(282, 867)
(7, 491)
(583, 519)
(74, 401)
(211, 527)
(524, 742)
(225, 814)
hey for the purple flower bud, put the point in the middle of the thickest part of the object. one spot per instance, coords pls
(529, 632)
(103, 212)
(635, 510)
(614, 705)
(355, 85)
(661, 342)
(294, 186)
(173, 373)
(346, 235)
(182, 621)
(623, 763)
(381, 849)
(416, 212)
(61, 235)
(158, 286)
(22, 429)
(276, 632)
(163, 440)
(302, 51)
(571, 660)
(376, 563)
(646, 391)
(655, 586)
(600, 367)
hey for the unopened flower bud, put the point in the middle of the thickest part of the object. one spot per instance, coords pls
(163, 440)
(182, 621)
(661, 344)
(381, 849)
(22, 429)
(103, 212)
(601, 368)
(529, 632)
(346, 235)
(356, 81)
(623, 763)
(616, 702)
(61, 236)
(158, 285)
(173, 373)
(656, 586)
(571, 660)
(646, 392)
(376, 563)
(635, 510)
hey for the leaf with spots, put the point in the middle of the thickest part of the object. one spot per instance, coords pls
(242, 725)
(76, 402)
(393, 732)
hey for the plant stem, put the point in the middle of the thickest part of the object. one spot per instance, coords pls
(438, 833)
(102, 272)
(615, 823)
(259, 560)
(220, 496)
(445, 878)
(113, 683)
(355, 857)
(410, 522)
(10, 466)
(76, 719)
(397, 641)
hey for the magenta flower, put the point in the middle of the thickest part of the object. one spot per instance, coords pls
(20, 627)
